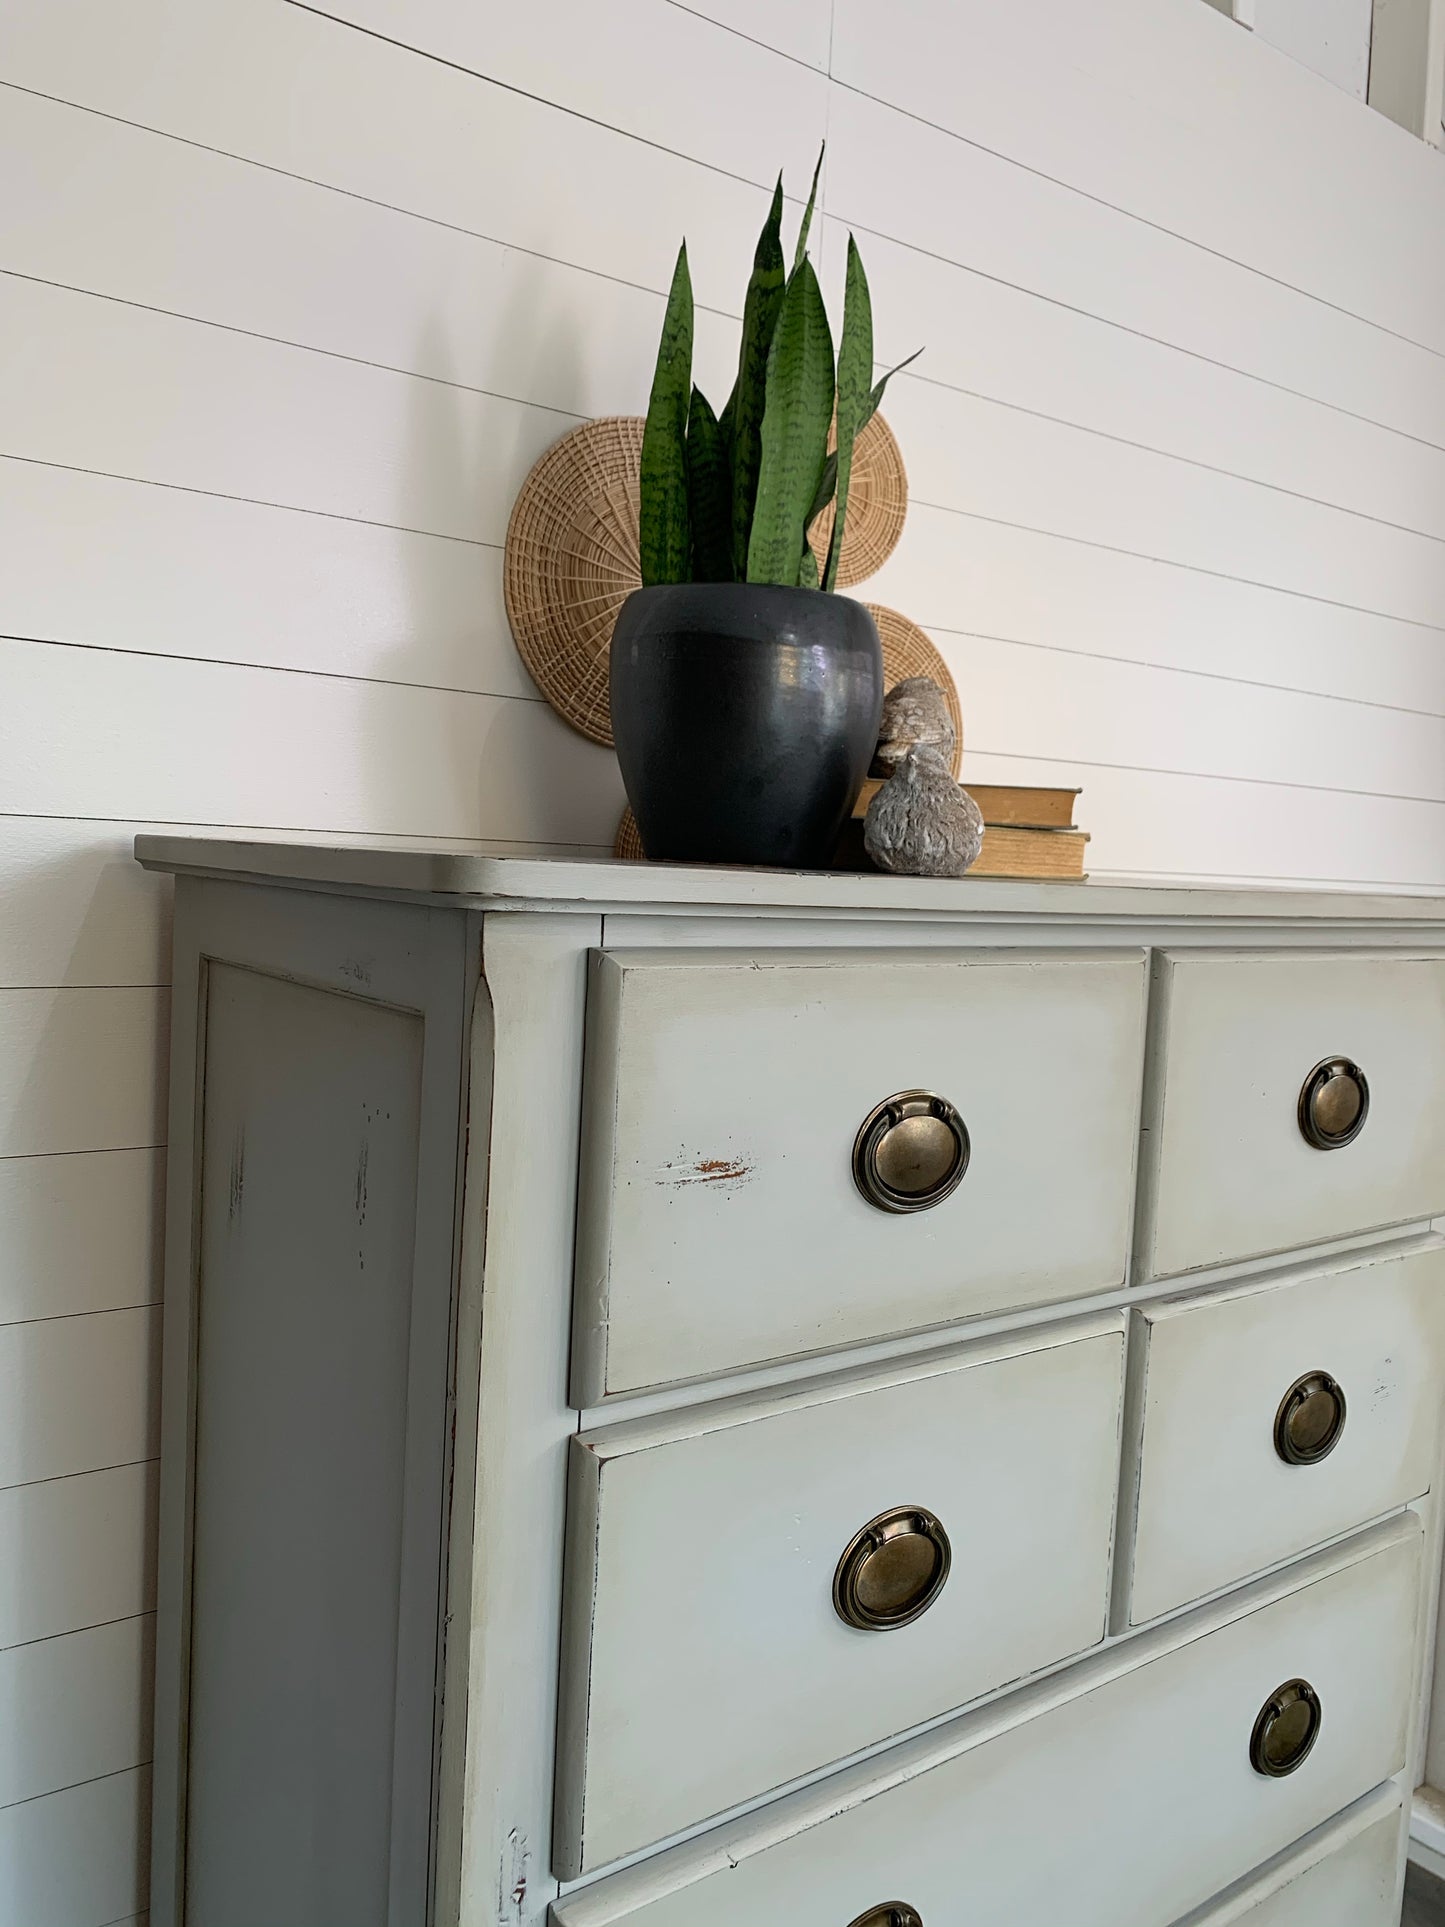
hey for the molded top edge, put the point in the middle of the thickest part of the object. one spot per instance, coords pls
(490, 876)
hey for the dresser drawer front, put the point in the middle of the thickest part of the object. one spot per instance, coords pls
(721, 1222)
(710, 1657)
(1122, 1806)
(1347, 1875)
(1254, 1100)
(1272, 1419)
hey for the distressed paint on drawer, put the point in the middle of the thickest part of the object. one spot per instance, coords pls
(1346, 1875)
(704, 1662)
(719, 1224)
(1226, 1172)
(1214, 1502)
(1113, 1757)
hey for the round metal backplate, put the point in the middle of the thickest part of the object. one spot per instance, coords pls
(1286, 1730)
(1310, 1419)
(892, 1571)
(1334, 1102)
(911, 1152)
(893, 1913)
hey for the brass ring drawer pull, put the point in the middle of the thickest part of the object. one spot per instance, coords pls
(1310, 1419)
(1334, 1102)
(911, 1152)
(892, 1571)
(1286, 1730)
(893, 1913)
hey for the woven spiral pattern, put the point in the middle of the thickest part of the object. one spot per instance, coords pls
(877, 508)
(907, 651)
(571, 563)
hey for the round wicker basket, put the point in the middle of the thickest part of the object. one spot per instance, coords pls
(571, 563)
(877, 508)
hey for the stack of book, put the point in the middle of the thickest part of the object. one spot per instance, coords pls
(1028, 832)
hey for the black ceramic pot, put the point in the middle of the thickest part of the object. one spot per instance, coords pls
(745, 717)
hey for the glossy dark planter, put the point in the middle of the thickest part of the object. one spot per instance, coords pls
(745, 718)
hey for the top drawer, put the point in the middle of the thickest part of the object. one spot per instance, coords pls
(734, 1129)
(1294, 1099)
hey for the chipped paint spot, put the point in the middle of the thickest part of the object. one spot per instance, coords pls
(361, 1164)
(238, 1175)
(706, 1171)
(512, 1880)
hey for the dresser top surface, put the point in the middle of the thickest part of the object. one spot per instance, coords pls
(489, 876)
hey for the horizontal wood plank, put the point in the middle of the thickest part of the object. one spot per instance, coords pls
(988, 339)
(81, 1233)
(122, 564)
(76, 1552)
(986, 459)
(1162, 112)
(621, 64)
(77, 910)
(1024, 701)
(490, 161)
(281, 751)
(78, 1395)
(80, 1070)
(75, 1857)
(977, 575)
(1154, 823)
(74, 1708)
(142, 217)
(897, 176)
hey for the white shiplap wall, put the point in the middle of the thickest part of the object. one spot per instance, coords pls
(290, 302)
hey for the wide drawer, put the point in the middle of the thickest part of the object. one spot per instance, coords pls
(1269, 1419)
(1293, 1099)
(1345, 1875)
(732, 1622)
(1105, 1797)
(747, 1197)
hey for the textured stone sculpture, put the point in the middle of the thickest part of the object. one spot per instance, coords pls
(921, 823)
(914, 711)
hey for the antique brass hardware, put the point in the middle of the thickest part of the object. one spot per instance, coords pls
(892, 1571)
(893, 1913)
(1287, 1727)
(911, 1152)
(1334, 1102)
(1310, 1419)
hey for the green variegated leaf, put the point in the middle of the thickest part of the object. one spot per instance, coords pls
(802, 247)
(708, 494)
(666, 547)
(855, 375)
(808, 569)
(743, 414)
(876, 394)
(795, 430)
(825, 488)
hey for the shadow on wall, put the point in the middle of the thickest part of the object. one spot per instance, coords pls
(495, 766)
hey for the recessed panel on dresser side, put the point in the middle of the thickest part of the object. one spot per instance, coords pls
(723, 1221)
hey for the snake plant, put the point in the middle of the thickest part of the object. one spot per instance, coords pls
(731, 497)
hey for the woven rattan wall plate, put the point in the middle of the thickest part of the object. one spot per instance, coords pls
(572, 561)
(877, 506)
(907, 651)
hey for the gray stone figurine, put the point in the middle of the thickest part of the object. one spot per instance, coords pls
(914, 711)
(921, 823)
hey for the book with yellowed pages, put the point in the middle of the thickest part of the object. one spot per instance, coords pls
(1011, 852)
(1015, 805)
